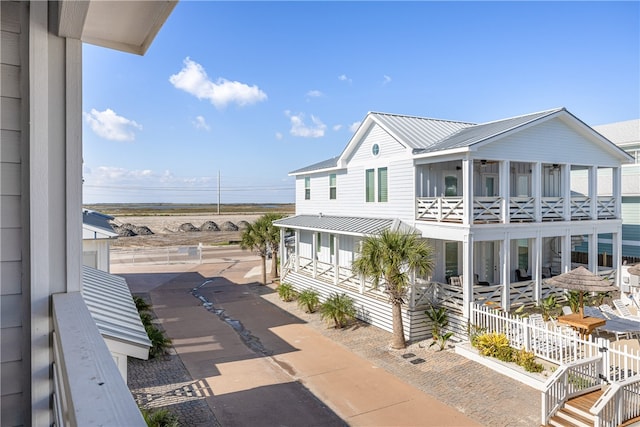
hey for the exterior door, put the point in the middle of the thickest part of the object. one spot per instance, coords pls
(489, 185)
(450, 184)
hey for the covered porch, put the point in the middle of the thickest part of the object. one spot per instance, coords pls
(501, 191)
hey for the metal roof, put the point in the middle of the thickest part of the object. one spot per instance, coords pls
(481, 132)
(621, 133)
(96, 221)
(112, 308)
(329, 163)
(418, 132)
(355, 226)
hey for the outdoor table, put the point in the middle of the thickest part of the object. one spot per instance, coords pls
(585, 325)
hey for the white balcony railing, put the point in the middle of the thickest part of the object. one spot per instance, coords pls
(521, 209)
(88, 388)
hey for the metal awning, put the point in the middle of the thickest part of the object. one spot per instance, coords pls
(112, 308)
(349, 225)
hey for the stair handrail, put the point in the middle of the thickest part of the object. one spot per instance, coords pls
(619, 403)
(559, 387)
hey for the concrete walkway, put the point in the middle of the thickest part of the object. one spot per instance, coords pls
(263, 365)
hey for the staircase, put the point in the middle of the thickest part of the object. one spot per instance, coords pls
(576, 411)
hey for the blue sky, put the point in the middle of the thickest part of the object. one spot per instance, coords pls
(254, 90)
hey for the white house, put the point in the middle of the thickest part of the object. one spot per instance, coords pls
(499, 201)
(54, 366)
(97, 234)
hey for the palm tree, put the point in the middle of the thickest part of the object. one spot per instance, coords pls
(255, 238)
(273, 240)
(390, 257)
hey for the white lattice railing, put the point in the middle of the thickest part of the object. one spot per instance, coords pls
(606, 207)
(447, 209)
(580, 208)
(522, 209)
(487, 209)
(552, 208)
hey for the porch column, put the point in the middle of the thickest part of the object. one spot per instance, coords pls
(296, 265)
(505, 255)
(505, 191)
(282, 250)
(593, 251)
(593, 192)
(616, 177)
(536, 250)
(336, 253)
(536, 187)
(467, 191)
(566, 251)
(616, 244)
(565, 172)
(467, 272)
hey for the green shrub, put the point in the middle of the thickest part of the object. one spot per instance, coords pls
(159, 418)
(286, 292)
(159, 342)
(309, 300)
(146, 318)
(547, 305)
(338, 308)
(141, 304)
(527, 360)
(474, 331)
(495, 345)
(439, 321)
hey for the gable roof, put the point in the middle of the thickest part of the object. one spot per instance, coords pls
(350, 225)
(97, 223)
(424, 135)
(621, 133)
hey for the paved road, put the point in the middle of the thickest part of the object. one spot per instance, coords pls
(263, 365)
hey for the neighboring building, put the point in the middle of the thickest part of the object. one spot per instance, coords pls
(97, 234)
(500, 202)
(55, 366)
(107, 296)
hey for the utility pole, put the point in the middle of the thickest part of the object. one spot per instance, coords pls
(218, 191)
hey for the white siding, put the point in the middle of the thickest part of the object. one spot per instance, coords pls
(551, 142)
(351, 184)
(12, 369)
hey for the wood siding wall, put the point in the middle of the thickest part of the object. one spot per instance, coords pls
(350, 200)
(14, 364)
(530, 145)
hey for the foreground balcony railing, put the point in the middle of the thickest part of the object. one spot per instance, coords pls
(521, 209)
(88, 388)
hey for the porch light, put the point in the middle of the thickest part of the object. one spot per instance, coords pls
(483, 162)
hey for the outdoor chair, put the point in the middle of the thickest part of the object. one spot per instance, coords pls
(566, 310)
(546, 272)
(521, 275)
(624, 310)
(615, 325)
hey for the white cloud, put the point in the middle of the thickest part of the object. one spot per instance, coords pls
(354, 126)
(193, 79)
(201, 123)
(344, 78)
(314, 94)
(108, 125)
(117, 176)
(337, 127)
(300, 128)
(386, 79)
(279, 136)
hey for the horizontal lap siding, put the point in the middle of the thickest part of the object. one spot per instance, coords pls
(536, 143)
(350, 188)
(375, 311)
(12, 369)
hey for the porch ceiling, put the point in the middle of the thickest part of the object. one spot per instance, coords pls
(349, 225)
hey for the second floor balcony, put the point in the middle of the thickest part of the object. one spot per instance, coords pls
(515, 192)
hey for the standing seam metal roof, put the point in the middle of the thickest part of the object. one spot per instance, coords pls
(112, 308)
(342, 224)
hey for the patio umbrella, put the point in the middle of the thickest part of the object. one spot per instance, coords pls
(581, 279)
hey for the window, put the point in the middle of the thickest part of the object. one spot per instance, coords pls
(332, 186)
(307, 188)
(318, 242)
(369, 185)
(450, 186)
(382, 185)
(451, 258)
(375, 150)
(523, 253)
